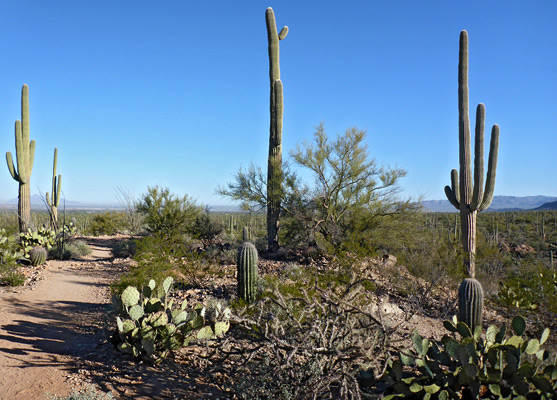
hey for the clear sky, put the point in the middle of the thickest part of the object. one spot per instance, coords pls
(175, 92)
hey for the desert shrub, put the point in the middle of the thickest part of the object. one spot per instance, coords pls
(107, 223)
(69, 250)
(166, 214)
(151, 328)
(471, 365)
(532, 289)
(305, 338)
(125, 249)
(206, 229)
(155, 258)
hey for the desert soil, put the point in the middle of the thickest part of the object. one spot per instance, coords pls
(55, 335)
(52, 323)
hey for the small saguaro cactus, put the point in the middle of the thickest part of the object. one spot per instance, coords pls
(245, 234)
(25, 155)
(470, 303)
(274, 166)
(246, 260)
(467, 197)
(53, 199)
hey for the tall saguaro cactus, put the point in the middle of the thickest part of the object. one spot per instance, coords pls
(25, 154)
(274, 167)
(53, 199)
(470, 198)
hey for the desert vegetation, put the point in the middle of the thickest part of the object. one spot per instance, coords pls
(308, 293)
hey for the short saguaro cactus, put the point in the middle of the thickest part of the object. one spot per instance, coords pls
(246, 260)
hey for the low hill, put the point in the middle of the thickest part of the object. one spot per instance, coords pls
(500, 203)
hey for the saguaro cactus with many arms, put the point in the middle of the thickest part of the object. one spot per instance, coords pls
(470, 198)
(25, 154)
(274, 167)
(53, 199)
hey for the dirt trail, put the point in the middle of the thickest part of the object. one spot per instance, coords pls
(46, 328)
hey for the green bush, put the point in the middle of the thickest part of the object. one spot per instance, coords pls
(74, 249)
(468, 365)
(107, 223)
(166, 214)
(156, 259)
(125, 249)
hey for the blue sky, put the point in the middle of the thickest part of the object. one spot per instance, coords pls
(175, 92)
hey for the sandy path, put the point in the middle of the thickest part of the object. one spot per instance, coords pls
(44, 329)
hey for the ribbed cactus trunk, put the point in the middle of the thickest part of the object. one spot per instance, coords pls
(24, 207)
(53, 199)
(25, 154)
(274, 166)
(246, 261)
(468, 196)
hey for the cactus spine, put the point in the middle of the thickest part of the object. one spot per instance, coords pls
(470, 198)
(54, 198)
(246, 260)
(274, 167)
(25, 154)
(470, 303)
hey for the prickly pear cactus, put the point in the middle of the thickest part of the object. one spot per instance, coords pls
(37, 256)
(151, 328)
(466, 365)
(246, 260)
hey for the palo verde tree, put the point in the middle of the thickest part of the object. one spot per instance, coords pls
(349, 194)
(470, 198)
(25, 155)
(274, 167)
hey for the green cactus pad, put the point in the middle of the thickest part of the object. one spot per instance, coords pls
(130, 296)
(159, 319)
(180, 317)
(148, 346)
(167, 284)
(205, 333)
(136, 312)
(221, 328)
(128, 325)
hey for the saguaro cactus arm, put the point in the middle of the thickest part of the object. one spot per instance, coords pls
(452, 192)
(25, 149)
(491, 169)
(478, 158)
(54, 199)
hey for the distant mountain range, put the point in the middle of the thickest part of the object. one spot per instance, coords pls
(38, 202)
(500, 203)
